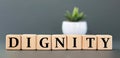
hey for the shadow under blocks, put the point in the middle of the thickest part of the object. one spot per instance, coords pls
(58, 42)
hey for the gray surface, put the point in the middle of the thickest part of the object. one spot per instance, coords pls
(115, 53)
(46, 16)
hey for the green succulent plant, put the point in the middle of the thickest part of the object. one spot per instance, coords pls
(75, 15)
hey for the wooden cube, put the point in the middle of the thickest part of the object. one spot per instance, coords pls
(44, 42)
(74, 42)
(29, 42)
(104, 42)
(13, 42)
(89, 42)
(58, 42)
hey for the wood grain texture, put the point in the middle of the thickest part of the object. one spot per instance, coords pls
(86, 42)
(104, 42)
(44, 42)
(56, 45)
(14, 38)
(29, 45)
(74, 42)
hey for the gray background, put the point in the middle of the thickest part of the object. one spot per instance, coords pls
(46, 16)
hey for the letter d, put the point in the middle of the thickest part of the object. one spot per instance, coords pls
(13, 42)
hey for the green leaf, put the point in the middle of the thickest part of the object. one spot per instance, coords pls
(68, 15)
(75, 11)
(81, 14)
(75, 16)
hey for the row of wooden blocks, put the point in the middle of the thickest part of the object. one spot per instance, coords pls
(58, 42)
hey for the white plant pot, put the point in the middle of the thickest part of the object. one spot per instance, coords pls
(74, 27)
